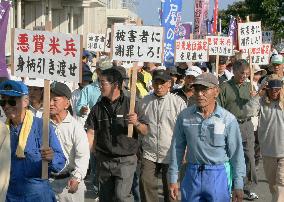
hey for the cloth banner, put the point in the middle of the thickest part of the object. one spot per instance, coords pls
(171, 20)
(201, 8)
(4, 16)
(233, 31)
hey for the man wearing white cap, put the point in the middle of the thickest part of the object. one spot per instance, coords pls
(35, 86)
(277, 65)
(186, 92)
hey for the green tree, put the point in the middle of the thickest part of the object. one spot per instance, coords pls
(269, 12)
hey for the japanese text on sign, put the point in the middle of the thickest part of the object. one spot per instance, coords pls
(261, 55)
(219, 45)
(267, 37)
(250, 35)
(171, 19)
(47, 55)
(191, 51)
(108, 40)
(96, 42)
(137, 43)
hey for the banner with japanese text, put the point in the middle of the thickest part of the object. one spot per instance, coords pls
(137, 43)
(195, 50)
(261, 55)
(96, 42)
(4, 16)
(171, 19)
(233, 31)
(250, 35)
(220, 45)
(267, 36)
(47, 55)
(201, 8)
(108, 40)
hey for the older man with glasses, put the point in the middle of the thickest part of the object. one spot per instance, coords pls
(25, 130)
(213, 140)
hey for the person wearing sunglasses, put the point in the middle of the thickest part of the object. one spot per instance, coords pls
(25, 131)
(213, 140)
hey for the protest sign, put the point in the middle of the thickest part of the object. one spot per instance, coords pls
(219, 45)
(267, 37)
(46, 55)
(261, 55)
(108, 40)
(201, 8)
(195, 50)
(250, 35)
(137, 43)
(96, 42)
(171, 19)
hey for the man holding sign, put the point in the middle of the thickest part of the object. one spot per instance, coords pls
(26, 147)
(115, 152)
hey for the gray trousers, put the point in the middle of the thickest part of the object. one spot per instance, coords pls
(115, 177)
(149, 181)
(248, 146)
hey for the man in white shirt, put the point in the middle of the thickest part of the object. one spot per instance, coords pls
(5, 159)
(68, 185)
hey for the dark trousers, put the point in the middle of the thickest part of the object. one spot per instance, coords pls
(257, 154)
(149, 181)
(115, 177)
(248, 146)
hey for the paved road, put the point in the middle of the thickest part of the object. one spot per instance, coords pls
(261, 189)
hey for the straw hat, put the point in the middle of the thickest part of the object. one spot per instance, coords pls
(258, 69)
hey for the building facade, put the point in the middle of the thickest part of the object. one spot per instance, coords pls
(69, 16)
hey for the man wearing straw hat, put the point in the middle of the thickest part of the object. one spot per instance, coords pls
(270, 108)
(234, 95)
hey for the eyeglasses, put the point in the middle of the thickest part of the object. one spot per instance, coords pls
(201, 89)
(104, 83)
(10, 102)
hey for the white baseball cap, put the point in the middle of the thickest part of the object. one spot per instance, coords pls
(36, 82)
(193, 71)
(277, 59)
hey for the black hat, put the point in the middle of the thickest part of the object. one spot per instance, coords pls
(161, 74)
(60, 89)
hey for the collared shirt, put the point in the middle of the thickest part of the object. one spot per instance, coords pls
(5, 159)
(161, 113)
(234, 97)
(37, 112)
(88, 97)
(74, 141)
(30, 167)
(74, 99)
(109, 121)
(270, 127)
(211, 141)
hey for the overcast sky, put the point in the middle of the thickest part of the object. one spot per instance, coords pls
(148, 10)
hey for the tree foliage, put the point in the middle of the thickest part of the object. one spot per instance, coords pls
(269, 12)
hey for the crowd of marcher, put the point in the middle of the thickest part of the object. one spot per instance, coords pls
(201, 134)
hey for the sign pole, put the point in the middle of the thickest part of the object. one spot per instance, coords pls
(250, 64)
(133, 88)
(46, 107)
(217, 61)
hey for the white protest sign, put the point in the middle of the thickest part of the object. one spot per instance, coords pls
(137, 43)
(108, 40)
(47, 55)
(267, 37)
(249, 35)
(191, 50)
(219, 45)
(261, 55)
(96, 42)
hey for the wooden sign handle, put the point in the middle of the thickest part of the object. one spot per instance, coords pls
(250, 64)
(132, 95)
(46, 106)
(217, 61)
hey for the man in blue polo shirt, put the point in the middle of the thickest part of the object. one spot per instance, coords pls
(25, 183)
(214, 143)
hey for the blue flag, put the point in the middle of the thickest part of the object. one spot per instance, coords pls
(171, 20)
